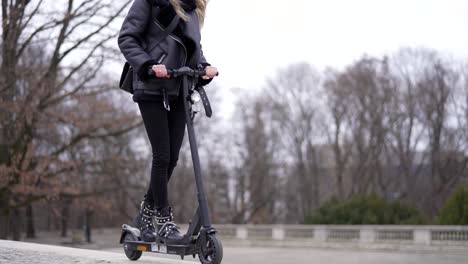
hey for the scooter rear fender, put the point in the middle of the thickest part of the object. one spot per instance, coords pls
(129, 229)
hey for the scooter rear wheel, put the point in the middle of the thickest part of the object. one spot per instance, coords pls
(131, 254)
(212, 251)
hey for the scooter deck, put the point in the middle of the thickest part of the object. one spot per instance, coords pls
(182, 250)
(189, 248)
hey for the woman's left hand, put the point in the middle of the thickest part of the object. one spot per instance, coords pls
(211, 72)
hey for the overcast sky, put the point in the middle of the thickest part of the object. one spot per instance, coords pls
(249, 39)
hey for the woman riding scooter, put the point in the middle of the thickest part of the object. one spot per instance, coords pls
(159, 98)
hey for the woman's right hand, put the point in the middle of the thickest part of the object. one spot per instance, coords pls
(160, 71)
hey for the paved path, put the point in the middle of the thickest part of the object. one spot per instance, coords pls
(330, 256)
(259, 255)
(29, 253)
(21, 252)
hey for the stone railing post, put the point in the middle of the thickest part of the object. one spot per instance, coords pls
(422, 236)
(367, 235)
(241, 232)
(320, 233)
(278, 233)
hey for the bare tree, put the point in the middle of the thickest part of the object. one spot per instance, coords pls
(368, 89)
(437, 87)
(258, 165)
(51, 99)
(296, 122)
(406, 133)
(338, 134)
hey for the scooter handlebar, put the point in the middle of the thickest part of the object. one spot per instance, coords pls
(175, 73)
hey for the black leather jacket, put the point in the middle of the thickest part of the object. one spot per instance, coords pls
(137, 34)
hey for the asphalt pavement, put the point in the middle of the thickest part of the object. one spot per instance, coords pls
(21, 252)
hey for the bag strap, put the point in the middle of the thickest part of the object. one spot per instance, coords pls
(205, 101)
(166, 31)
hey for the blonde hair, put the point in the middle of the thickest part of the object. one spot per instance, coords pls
(200, 11)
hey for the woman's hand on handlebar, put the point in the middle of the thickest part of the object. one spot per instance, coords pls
(211, 72)
(160, 71)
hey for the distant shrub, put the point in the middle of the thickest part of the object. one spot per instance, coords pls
(455, 211)
(365, 210)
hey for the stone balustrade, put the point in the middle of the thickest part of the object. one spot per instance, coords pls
(362, 234)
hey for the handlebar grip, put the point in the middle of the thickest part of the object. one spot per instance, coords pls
(175, 73)
(151, 73)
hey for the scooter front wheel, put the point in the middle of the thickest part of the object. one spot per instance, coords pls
(131, 254)
(211, 252)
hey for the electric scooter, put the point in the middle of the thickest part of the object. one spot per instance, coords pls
(200, 238)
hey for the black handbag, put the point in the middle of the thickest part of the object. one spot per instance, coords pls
(126, 78)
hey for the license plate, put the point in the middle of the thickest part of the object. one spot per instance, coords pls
(155, 247)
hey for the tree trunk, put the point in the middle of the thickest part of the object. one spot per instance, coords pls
(64, 217)
(49, 218)
(30, 229)
(4, 220)
(15, 224)
(87, 225)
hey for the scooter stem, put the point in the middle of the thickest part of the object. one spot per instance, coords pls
(202, 201)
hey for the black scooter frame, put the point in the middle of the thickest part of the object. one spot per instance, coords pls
(200, 226)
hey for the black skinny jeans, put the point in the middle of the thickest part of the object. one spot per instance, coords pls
(165, 131)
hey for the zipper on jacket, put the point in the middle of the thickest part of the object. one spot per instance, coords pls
(176, 39)
(161, 59)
